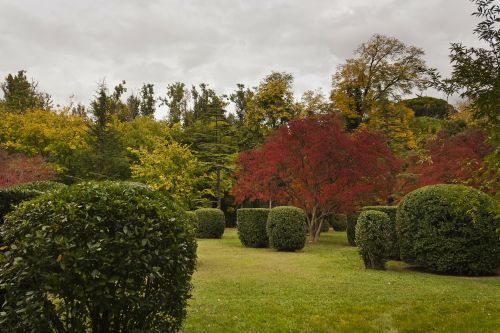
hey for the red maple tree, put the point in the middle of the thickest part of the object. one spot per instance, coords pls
(18, 169)
(314, 164)
(454, 158)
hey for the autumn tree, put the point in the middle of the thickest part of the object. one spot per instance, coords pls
(18, 168)
(454, 158)
(313, 102)
(384, 67)
(313, 164)
(21, 95)
(393, 120)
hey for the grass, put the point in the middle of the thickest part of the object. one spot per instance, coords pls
(325, 288)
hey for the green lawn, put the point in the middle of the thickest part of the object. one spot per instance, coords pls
(325, 288)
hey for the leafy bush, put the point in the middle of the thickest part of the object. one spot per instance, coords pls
(251, 223)
(97, 257)
(449, 228)
(325, 226)
(351, 229)
(12, 196)
(392, 240)
(371, 238)
(211, 223)
(285, 228)
(192, 220)
(338, 222)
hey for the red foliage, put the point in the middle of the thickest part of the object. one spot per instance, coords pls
(17, 169)
(454, 158)
(313, 164)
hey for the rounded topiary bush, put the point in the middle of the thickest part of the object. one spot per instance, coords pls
(352, 219)
(392, 235)
(325, 226)
(449, 229)
(192, 220)
(371, 238)
(97, 257)
(285, 228)
(211, 223)
(251, 223)
(338, 222)
(14, 195)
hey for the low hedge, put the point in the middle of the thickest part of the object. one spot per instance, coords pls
(285, 228)
(105, 251)
(12, 196)
(251, 224)
(351, 220)
(338, 222)
(392, 239)
(211, 223)
(371, 238)
(449, 229)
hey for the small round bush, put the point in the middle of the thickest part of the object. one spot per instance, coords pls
(338, 222)
(14, 195)
(325, 226)
(392, 240)
(96, 257)
(211, 223)
(251, 223)
(352, 219)
(371, 238)
(285, 228)
(449, 229)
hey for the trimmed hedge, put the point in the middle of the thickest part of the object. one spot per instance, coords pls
(110, 250)
(211, 223)
(392, 239)
(351, 228)
(285, 228)
(371, 238)
(192, 220)
(12, 196)
(251, 223)
(449, 229)
(338, 222)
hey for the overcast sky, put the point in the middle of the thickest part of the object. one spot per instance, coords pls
(69, 46)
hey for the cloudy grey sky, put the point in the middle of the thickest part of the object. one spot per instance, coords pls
(69, 46)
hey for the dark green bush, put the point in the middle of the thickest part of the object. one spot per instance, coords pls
(449, 229)
(251, 223)
(352, 219)
(338, 222)
(285, 228)
(12, 196)
(192, 220)
(325, 226)
(371, 238)
(392, 240)
(211, 223)
(96, 257)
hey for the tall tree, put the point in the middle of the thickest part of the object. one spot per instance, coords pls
(147, 101)
(313, 164)
(426, 106)
(21, 95)
(241, 97)
(177, 102)
(384, 67)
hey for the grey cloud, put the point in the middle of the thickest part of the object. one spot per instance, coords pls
(69, 46)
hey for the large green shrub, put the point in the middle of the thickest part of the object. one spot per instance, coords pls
(251, 223)
(449, 228)
(392, 235)
(325, 226)
(96, 257)
(285, 228)
(352, 219)
(211, 223)
(338, 222)
(12, 196)
(371, 238)
(192, 220)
